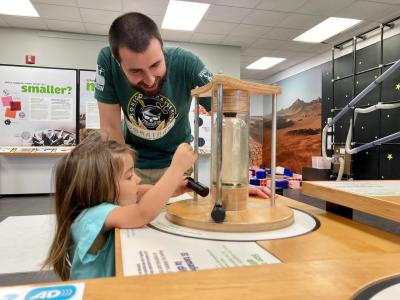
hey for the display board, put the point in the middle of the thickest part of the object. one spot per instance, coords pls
(88, 109)
(38, 106)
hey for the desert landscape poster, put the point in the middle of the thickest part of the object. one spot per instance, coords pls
(298, 124)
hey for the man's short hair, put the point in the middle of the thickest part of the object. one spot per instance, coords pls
(133, 31)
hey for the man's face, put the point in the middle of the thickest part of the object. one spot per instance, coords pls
(144, 71)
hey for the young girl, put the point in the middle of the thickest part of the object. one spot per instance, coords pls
(96, 190)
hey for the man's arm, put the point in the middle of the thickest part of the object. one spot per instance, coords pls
(110, 121)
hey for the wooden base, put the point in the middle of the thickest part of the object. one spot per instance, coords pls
(258, 216)
(232, 199)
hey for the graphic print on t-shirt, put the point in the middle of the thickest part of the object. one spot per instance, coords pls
(99, 79)
(150, 118)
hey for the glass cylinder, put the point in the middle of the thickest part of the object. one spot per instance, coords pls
(235, 151)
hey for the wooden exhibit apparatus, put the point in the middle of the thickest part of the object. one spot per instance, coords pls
(229, 167)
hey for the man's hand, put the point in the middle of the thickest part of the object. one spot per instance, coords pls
(259, 191)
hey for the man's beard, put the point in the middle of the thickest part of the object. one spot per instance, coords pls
(141, 87)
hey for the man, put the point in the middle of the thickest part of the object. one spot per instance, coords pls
(152, 85)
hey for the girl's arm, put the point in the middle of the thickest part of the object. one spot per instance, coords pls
(142, 189)
(154, 199)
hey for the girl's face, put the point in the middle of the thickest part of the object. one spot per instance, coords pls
(128, 183)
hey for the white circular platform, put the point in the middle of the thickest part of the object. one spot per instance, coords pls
(382, 289)
(303, 223)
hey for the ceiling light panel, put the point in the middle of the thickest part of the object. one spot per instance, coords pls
(326, 29)
(18, 8)
(265, 63)
(183, 15)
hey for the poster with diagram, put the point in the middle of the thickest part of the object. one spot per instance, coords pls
(89, 111)
(38, 106)
(89, 118)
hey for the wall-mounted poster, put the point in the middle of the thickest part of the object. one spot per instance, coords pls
(298, 122)
(38, 106)
(89, 111)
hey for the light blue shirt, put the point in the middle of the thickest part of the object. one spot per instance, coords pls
(84, 231)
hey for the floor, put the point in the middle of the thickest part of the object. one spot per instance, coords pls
(26, 206)
(42, 204)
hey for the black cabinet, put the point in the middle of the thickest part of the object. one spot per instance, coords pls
(342, 92)
(352, 77)
(390, 123)
(391, 49)
(362, 81)
(366, 127)
(327, 96)
(391, 86)
(389, 161)
(368, 57)
(343, 66)
(366, 164)
(341, 127)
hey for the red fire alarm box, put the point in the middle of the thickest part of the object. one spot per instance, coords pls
(30, 59)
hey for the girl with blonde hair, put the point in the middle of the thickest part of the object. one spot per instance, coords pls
(97, 190)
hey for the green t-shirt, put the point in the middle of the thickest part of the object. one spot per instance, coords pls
(154, 126)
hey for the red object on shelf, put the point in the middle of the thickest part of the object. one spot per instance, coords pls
(15, 105)
(30, 59)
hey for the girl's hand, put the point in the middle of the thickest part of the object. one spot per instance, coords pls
(182, 188)
(260, 191)
(184, 158)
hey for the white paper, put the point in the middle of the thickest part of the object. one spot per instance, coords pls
(39, 109)
(368, 188)
(92, 115)
(149, 251)
(61, 109)
(62, 291)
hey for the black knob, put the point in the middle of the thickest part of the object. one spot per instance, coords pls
(197, 187)
(218, 213)
(202, 142)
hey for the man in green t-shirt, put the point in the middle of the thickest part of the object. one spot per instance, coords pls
(151, 85)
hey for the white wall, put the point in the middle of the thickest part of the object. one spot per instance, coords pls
(59, 50)
(219, 59)
(257, 105)
(79, 51)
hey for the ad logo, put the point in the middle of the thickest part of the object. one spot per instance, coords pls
(62, 292)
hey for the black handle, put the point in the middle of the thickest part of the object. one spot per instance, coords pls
(218, 213)
(197, 187)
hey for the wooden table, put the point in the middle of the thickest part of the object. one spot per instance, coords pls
(376, 197)
(333, 262)
(319, 279)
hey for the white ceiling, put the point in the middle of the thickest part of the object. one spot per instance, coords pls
(259, 27)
